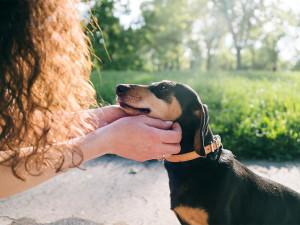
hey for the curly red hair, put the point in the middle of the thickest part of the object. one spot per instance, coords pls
(45, 66)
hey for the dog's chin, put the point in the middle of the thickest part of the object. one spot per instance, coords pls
(133, 110)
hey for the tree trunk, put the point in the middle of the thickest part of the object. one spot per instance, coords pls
(208, 60)
(238, 58)
(177, 63)
(166, 66)
(252, 50)
(275, 59)
(192, 63)
(159, 67)
(172, 66)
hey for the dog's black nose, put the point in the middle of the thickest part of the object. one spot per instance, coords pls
(121, 89)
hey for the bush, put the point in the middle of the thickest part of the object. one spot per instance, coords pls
(256, 113)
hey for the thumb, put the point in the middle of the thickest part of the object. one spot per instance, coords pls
(110, 113)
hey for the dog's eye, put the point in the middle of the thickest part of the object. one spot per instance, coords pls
(164, 87)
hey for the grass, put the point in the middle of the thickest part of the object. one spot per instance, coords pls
(257, 114)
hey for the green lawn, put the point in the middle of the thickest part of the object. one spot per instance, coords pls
(257, 114)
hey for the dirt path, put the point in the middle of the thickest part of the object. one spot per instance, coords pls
(113, 191)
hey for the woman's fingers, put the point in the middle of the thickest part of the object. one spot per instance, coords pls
(156, 123)
(165, 135)
(171, 136)
(170, 141)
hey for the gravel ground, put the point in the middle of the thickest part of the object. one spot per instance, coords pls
(114, 191)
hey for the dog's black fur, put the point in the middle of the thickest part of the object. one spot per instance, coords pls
(228, 191)
(219, 185)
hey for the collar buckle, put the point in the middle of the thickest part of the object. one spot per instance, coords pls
(217, 140)
(212, 145)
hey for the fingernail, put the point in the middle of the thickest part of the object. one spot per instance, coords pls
(169, 122)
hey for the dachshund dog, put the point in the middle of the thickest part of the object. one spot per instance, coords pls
(207, 184)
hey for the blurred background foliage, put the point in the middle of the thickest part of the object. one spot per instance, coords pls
(241, 56)
(196, 34)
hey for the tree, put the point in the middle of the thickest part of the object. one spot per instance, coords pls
(241, 17)
(268, 34)
(212, 29)
(195, 53)
(116, 47)
(166, 24)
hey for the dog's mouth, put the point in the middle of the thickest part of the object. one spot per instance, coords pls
(131, 109)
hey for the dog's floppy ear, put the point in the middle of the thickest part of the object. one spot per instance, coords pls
(202, 131)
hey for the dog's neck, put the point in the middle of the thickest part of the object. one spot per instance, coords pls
(189, 126)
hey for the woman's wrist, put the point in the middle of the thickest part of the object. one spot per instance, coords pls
(93, 144)
(100, 141)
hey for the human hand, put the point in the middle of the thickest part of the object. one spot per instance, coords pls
(107, 115)
(140, 138)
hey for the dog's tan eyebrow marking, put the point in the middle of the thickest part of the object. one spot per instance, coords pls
(198, 113)
(192, 216)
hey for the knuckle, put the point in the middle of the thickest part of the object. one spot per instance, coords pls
(178, 137)
(153, 136)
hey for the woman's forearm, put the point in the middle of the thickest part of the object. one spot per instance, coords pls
(11, 185)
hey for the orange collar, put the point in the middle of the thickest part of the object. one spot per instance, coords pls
(215, 145)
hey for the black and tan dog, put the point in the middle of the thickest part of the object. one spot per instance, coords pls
(208, 185)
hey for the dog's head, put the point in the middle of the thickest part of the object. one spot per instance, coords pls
(173, 101)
